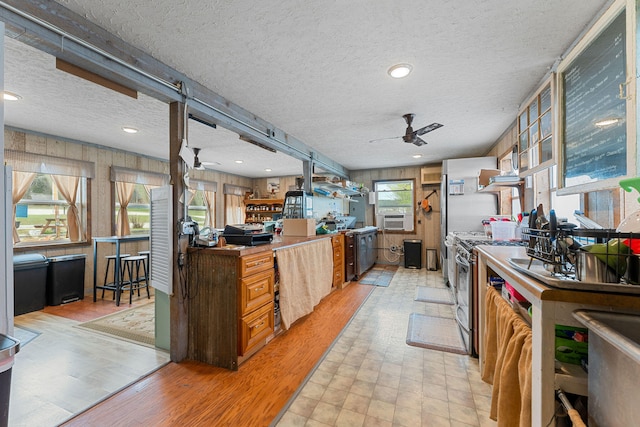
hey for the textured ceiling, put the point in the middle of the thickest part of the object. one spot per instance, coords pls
(319, 72)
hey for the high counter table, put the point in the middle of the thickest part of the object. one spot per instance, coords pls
(117, 240)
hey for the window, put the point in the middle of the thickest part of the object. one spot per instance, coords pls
(132, 207)
(535, 131)
(395, 201)
(566, 205)
(202, 206)
(50, 199)
(234, 204)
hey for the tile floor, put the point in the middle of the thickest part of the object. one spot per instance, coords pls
(65, 370)
(371, 377)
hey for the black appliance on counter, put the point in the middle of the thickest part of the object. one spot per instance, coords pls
(246, 234)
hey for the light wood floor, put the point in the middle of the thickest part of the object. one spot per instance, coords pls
(192, 393)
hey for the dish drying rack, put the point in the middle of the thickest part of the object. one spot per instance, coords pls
(558, 249)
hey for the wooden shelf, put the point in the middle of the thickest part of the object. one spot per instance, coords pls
(331, 187)
(258, 216)
(499, 186)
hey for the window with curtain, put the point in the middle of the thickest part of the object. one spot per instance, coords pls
(50, 199)
(202, 203)
(234, 204)
(132, 207)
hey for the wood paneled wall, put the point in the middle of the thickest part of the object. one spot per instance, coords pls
(427, 224)
(102, 198)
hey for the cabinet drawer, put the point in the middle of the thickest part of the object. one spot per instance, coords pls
(255, 327)
(250, 264)
(256, 290)
(338, 254)
(338, 276)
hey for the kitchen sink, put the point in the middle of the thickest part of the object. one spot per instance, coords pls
(537, 269)
(614, 366)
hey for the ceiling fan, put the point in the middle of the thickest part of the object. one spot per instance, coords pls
(413, 136)
(197, 164)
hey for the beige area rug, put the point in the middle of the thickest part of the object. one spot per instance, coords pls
(434, 295)
(437, 333)
(135, 324)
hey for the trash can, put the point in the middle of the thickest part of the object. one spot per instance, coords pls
(432, 259)
(9, 346)
(413, 253)
(65, 279)
(29, 283)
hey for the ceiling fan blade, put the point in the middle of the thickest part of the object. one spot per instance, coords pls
(385, 139)
(419, 141)
(428, 128)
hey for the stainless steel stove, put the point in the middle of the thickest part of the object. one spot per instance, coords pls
(466, 286)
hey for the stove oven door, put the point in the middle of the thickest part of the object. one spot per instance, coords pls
(463, 295)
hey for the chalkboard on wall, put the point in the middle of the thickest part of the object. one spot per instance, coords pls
(593, 151)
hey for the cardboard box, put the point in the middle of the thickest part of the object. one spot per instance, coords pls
(299, 227)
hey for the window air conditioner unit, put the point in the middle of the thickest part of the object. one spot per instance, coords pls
(398, 222)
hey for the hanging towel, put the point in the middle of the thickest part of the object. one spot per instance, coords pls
(306, 275)
(511, 393)
(490, 343)
(525, 373)
(510, 398)
(505, 329)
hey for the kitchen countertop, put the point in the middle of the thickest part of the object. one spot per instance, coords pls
(549, 306)
(278, 242)
(498, 259)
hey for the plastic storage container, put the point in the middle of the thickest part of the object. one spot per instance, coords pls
(503, 230)
(29, 283)
(65, 279)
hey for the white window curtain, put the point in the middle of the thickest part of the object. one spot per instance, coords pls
(21, 183)
(125, 180)
(234, 203)
(234, 209)
(39, 163)
(209, 190)
(210, 214)
(124, 190)
(68, 187)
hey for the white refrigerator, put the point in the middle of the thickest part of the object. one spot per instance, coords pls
(462, 207)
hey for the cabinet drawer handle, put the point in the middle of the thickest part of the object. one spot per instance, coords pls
(259, 289)
(259, 326)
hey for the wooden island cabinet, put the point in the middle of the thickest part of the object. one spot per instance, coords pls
(549, 306)
(337, 242)
(230, 297)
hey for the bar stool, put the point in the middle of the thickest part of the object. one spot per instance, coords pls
(111, 259)
(136, 281)
(146, 263)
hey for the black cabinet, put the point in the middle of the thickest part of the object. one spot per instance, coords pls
(349, 257)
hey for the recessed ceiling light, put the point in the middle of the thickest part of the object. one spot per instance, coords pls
(267, 170)
(417, 156)
(10, 96)
(238, 161)
(129, 129)
(399, 71)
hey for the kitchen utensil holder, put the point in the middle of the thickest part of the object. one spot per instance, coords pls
(558, 251)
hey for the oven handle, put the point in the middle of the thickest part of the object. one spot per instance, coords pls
(460, 260)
